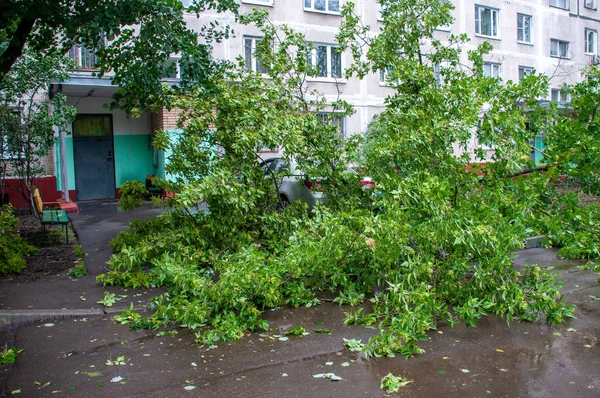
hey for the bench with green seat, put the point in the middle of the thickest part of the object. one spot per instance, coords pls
(50, 213)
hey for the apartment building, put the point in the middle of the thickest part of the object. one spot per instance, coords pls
(106, 147)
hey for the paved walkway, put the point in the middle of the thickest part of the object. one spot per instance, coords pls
(68, 357)
(95, 224)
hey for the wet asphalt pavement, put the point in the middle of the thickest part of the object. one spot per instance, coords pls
(68, 357)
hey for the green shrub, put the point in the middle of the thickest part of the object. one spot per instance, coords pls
(132, 193)
(13, 248)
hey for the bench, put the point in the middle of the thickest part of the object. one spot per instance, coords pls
(50, 213)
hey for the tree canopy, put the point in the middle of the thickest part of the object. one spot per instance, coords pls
(132, 39)
(433, 245)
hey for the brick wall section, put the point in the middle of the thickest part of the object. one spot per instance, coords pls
(165, 120)
(47, 162)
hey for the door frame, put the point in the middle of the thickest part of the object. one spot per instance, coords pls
(112, 145)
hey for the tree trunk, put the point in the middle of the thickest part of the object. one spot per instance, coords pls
(15, 45)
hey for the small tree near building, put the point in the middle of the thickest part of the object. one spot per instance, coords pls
(29, 115)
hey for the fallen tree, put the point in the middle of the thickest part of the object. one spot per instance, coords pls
(434, 245)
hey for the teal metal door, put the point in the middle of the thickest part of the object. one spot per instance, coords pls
(94, 157)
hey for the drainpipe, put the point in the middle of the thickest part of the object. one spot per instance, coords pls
(64, 178)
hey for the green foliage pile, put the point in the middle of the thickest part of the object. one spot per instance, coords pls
(132, 192)
(420, 262)
(434, 245)
(13, 248)
(574, 228)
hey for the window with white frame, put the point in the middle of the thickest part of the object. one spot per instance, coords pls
(560, 4)
(524, 28)
(559, 48)
(487, 21)
(591, 4)
(328, 59)
(322, 5)
(491, 69)
(559, 95)
(384, 76)
(172, 69)
(83, 56)
(524, 71)
(334, 119)
(250, 60)
(591, 41)
(259, 2)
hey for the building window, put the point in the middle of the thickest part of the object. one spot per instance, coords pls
(491, 69)
(259, 2)
(525, 71)
(591, 40)
(559, 95)
(591, 4)
(564, 4)
(384, 76)
(249, 55)
(334, 119)
(85, 57)
(172, 69)
(328, 59)
(559, 48)
(524, 28)
(322, 5)
(486, 21)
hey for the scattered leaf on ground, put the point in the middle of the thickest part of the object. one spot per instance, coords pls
(442, 372)
(189, 388)
(116, 379)
(118, 361)
(499, 350)
(330, 376)
(92, 374)
(321, 330)
(354, 344)
(465, 370)
(344, 364)
(9, 355)
(296, 331)
(393, 383)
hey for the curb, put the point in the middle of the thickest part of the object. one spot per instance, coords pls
(19, 317)
(11, 318)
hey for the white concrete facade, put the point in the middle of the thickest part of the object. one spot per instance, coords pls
(566, 22)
